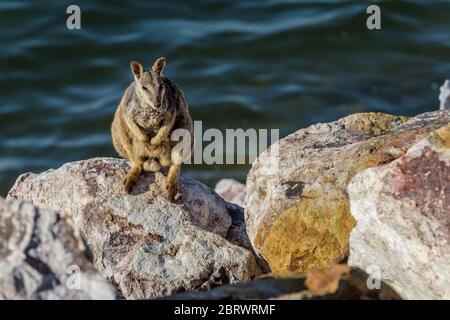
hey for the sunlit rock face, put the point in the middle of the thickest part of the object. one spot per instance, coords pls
(297, 208)
(402, 211)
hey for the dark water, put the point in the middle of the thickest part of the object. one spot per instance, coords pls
(241, 64)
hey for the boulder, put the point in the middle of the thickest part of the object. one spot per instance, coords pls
(41, 258)
(232, 191)
(297, 210)
(444, 96)
(335, 282)
(148, 246)
(402, 211)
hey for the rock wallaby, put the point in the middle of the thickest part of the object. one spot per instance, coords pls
(151, 108)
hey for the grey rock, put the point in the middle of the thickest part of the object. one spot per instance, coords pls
(402, 211)
(335, 282)
(40, 257)
(232, 191)
(444, 96)
(148, 246)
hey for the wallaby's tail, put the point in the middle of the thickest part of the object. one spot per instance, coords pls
(173, 180)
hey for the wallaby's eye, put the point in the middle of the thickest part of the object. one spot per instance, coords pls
(145, 88)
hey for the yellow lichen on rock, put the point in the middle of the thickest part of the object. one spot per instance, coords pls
(444, 135)
(311, 235)
(372, 122)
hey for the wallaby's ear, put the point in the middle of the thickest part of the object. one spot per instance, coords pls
(159, 65)
(136, 68)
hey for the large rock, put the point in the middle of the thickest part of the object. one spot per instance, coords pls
(147, 245)
(297, 209)
(232, 191)
(336, 282)
(403, 219)
(40, 257)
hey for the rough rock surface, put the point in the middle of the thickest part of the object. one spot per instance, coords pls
(403, 219)
(147, 245)
(336, 282)
(40, 258)
(238, 234)
(232, 191)
(297, 210)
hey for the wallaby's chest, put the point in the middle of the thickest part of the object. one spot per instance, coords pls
(149, 120)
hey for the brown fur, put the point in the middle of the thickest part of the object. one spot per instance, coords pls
(151, 108)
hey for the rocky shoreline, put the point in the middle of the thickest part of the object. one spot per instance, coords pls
(370, 190)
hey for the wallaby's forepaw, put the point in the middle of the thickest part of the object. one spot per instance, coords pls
(155, 141)
(129, 182)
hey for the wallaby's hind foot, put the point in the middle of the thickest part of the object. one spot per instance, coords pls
(132, 177)
(172, 182)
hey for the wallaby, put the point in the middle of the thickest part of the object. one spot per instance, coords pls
(151, 108)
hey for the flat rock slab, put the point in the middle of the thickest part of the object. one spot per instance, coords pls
(297, 209)
(147, 245)
(402, 211)
(41, 258)
(335, 282)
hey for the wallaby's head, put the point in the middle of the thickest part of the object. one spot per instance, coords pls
(149, 83)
